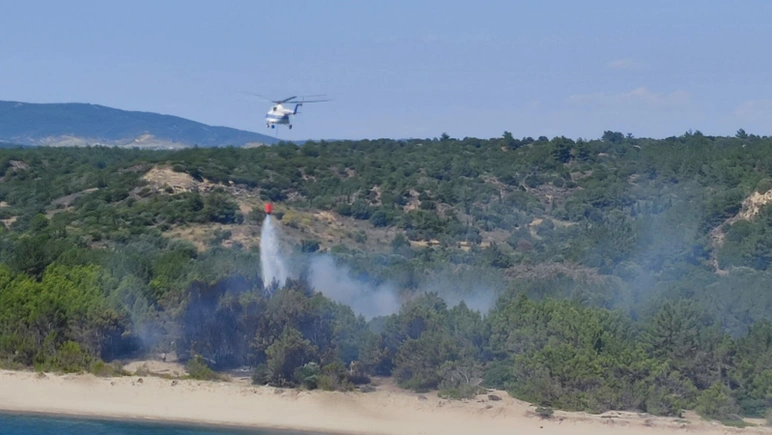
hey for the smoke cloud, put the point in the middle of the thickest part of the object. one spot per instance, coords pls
(478, 294)
(453, 284)
(336, 283)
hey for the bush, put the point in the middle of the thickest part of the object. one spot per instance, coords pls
(664, 403)
(716, 403)
(260, 377)
(333, 378)
(308, 375)
(764, 186)
(381, 218)
(100, 368)
(544, 411)
(464, 391)
(221, 208)
(309, 245)
(71, 358)
(498, 374)
(256, 216)
(198, 369)
(356, 374)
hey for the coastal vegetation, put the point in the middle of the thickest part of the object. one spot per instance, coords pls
(617, 273)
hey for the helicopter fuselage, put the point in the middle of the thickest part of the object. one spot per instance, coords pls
(279, 115)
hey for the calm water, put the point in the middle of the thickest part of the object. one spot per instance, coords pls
(35, 425)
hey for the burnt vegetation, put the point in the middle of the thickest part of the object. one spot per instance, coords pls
(636, 273)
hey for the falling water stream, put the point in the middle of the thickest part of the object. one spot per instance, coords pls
(271, 261)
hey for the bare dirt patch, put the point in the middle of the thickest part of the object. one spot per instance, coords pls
(8, 222)
(18, 165)
(751, 207)
(160, 178)
(150, 367)
(68, 199)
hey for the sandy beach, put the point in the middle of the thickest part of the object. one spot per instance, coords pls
(388, 410)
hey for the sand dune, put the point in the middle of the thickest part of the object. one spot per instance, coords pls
(388, 410)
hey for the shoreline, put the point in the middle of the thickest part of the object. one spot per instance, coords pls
(184, 424)
(17, 398)
(237, 405)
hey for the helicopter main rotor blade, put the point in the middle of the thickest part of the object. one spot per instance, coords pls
(290, 99)
(308, 101)
(262, 96)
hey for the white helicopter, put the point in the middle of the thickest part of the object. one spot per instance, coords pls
(279, 115)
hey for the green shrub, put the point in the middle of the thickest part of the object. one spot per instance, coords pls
(544, 412)
(764, 186)
(308, 375)
(334, 378)
(717, 404)
(71, 358)
(260, 377)
(198, 369)
(103, 369)
(464, 391)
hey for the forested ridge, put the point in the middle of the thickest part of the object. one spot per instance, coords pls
(628, 273)
(82, 123)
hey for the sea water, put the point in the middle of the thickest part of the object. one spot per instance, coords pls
(11, 424)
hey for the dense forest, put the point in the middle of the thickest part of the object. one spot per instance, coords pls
(619, 273)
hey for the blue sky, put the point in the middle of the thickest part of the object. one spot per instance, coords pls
(405, 68)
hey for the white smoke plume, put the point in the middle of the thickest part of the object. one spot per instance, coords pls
(478, 293)
(365, 298)
(336, 283)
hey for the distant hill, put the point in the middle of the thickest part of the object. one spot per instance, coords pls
(80, 124)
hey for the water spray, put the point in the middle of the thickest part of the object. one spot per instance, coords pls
(271, 262)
